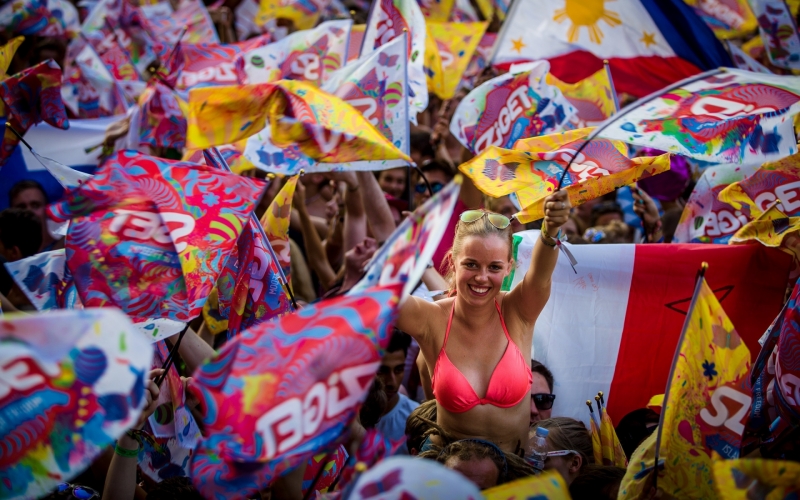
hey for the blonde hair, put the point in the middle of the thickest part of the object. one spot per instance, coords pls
(568, 434)
(482, 228)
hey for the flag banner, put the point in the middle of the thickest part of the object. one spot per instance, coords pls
(116, 58)
(464, 12)
(730, 116)
(387, 20)
(436, 11)
(192, 16)
(77, 383)
(172, 418)
(648, 44)
(207, 64)
(303, 13)
(480, 60)
(728, 19)
(276, 224)
(331, 470)
(633, 300)
(448, 51)
(638, 477)
(248, 401)
(30, 97)
(591, 97)
(151, 235)
(778, 32)
(548, 485)
(309, 55)
(611, 449)
(405, 255)
(44, 18)
(707, 399)
(7, 52)
(783, 393)
(374, 85)
(95, 91)
(745, 62)
(706, 218)
(38, 276)
(411, 478)
(737, 479)
(534, 167)
(374, 448)
(355, 42)
(67, 177)
(513, 106)
(162, 121)
(594, 430)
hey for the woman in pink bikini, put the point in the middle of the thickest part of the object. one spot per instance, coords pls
(477, 344)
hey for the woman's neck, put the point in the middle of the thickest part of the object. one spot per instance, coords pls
(474, 315)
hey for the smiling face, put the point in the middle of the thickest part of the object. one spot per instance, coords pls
(393, 181)
(480, 267)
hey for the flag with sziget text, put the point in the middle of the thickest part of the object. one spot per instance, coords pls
(150, 235)
(778, 30)
(387, 20)
(448, 51)
(30, 97)
(649, 44)
(634, 299)
(534, 167)
(254, 391)
(308, 55)
(375, 85)
(510, 107)
(407, 252)
(207, 64)
(727, 116)
(77, 383)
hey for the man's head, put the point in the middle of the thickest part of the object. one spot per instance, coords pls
(29, 195)
(480, 461)
(393, 364)
(20, 234)
(542, 396)
(438, 175)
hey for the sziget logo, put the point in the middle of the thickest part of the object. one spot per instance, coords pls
(221, 73)
(517, 102)
(738, 404)
(307, 65)
(286, 425)
(145, 226)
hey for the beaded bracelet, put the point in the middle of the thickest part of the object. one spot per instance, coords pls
(126, 453)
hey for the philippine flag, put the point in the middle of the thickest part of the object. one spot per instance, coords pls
(613, 326)
(648, 43)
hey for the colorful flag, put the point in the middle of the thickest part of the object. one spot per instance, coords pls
(706, 218)
(546, 486)
(213, 63)
(117, 60)
(7, 52)
(387, 20)
(74, 381)
(727, 116)
(45, 18)
(172, 418)
(778, 32)
(611, 449)
(374, 448)
(324, 127)
(151, 235)
(745, 62)
(303, 13)
(648, 44)
(323, 356)
(728, 18)
(707, 398)
(95, 91)
(309, 55)
(30, 97)
(535, 166)
(191, 16)
(436, 11)
(592, 97)
(406, 253)
(631, 315)
(355, 42)
(38, 276)
(594, 430)
(738, 479)
(374, 85)
(448, 51)
(638, 476)
(162, 120)
(464, 12)
(410, 478)
(276, 224)
(480, 60)
(513, 106)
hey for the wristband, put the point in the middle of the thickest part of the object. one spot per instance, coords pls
(126, 453)
(542, 237)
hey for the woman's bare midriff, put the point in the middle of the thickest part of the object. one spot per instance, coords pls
(506, 427)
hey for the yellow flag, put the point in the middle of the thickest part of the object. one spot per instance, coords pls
(547, 486)
(7, 52)
(592, 96)
(611, 448)
(292, 10)
(436, 11)
(224, 115)
(276, 224)
(448, 50)
(707, 399)
(729, 19)
(639, 474)
(597, 446)
(533, 169)
(748, 478)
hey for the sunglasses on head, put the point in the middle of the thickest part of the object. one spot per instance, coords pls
(543, 401)
(79, 492)
(422, 188)
(497, 220)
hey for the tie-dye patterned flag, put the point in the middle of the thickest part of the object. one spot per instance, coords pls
(276, 224)
(534, 167)
(448, 51)
(253, 392)
(310, 55)
(723, 116)
(150, 235)
(778, 32)
(324, 127)
(513, 106)
(387, 20)
(30, 97)
(706, 401)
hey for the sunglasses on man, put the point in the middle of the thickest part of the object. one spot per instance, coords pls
(79, 492)
(422, 188)
(543, 401)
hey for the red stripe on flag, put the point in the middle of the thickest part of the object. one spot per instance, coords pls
(749, 280)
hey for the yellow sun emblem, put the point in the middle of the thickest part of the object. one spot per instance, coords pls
(586, 13)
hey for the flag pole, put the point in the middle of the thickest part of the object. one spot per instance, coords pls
(698, 283)
(628, 109)
(171, 357)
(611, 85)
(19, 136)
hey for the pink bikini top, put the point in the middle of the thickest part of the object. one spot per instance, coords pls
(507, 385)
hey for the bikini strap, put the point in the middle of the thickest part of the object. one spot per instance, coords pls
(502, 321)
(449, 323)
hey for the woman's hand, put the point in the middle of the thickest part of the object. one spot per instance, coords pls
(556, 212)
(644, 207)
(299, 198)
(150, 396)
